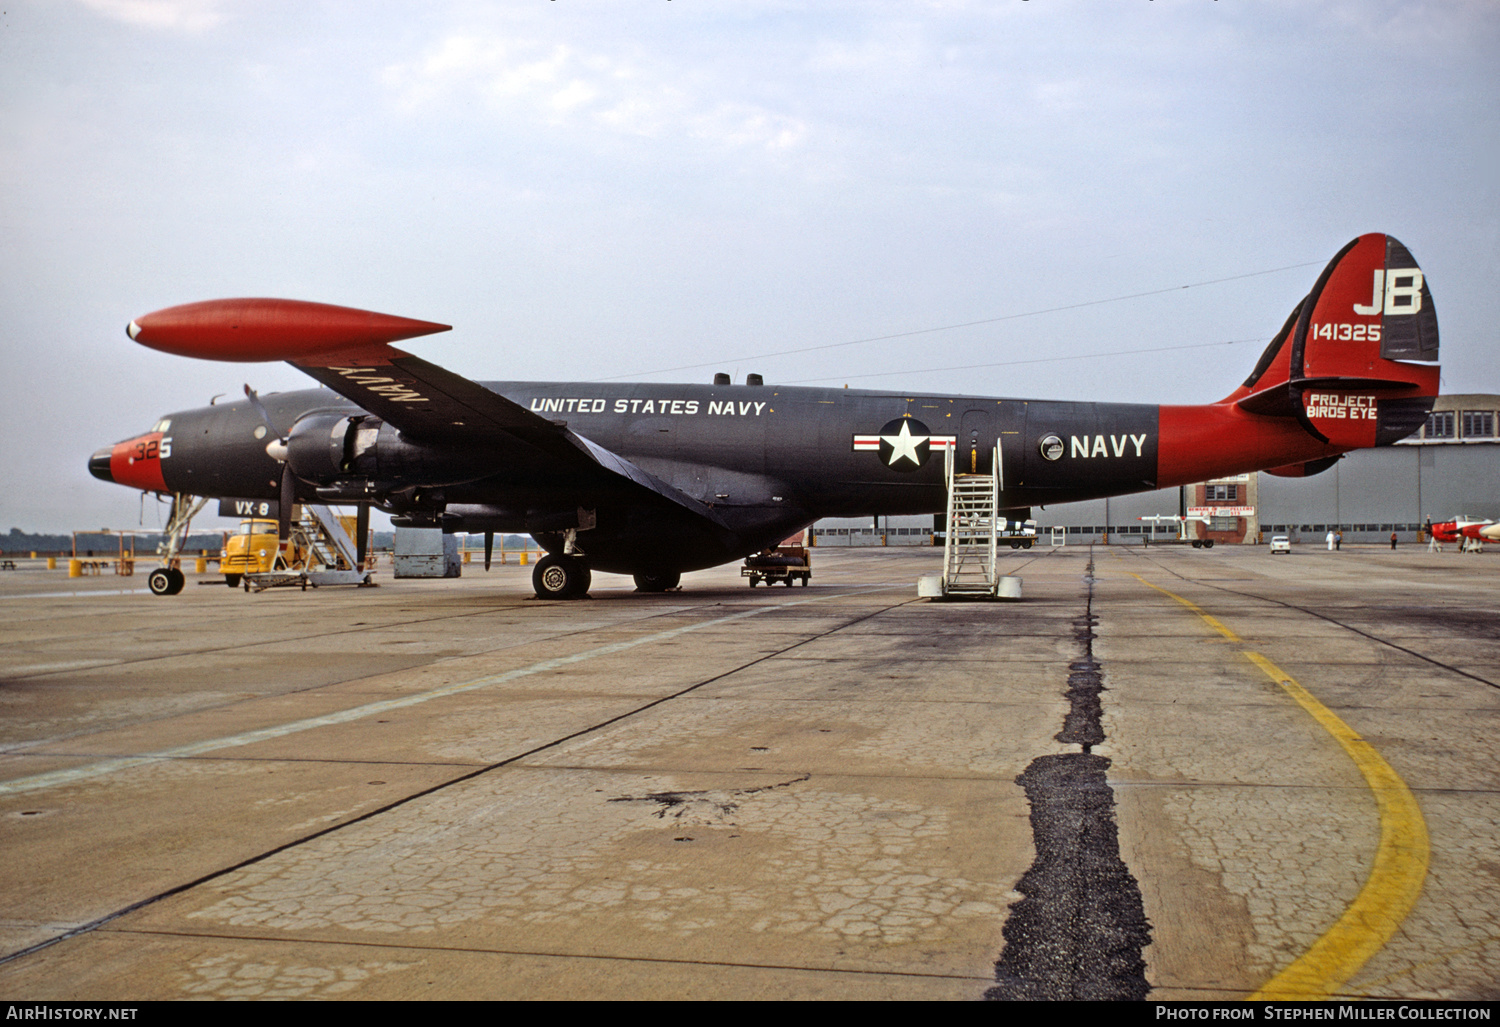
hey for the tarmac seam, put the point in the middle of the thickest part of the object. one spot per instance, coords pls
(1336, 623)
(71, 775)
(99, 922)
(355, 943)
(1401, 857)
(22, 747)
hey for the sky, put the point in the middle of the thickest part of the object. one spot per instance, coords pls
(657, 190)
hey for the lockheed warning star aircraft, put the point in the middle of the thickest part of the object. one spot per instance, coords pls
(654, 480)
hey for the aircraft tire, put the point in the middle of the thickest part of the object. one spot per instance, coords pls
(1208, 543)
(232, 580)
(178, 580)
(560, 577)
(657, 582)
(160, 582)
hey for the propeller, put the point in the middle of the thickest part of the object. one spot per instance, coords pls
(277, 451)
(489, 547)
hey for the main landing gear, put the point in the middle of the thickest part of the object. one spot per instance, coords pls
(657, 582)
(561, 577)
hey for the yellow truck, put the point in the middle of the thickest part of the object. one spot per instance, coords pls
(249, 550)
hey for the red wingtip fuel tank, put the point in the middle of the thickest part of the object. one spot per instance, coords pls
(249, 330)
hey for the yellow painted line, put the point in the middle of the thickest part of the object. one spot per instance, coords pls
(1400, 866)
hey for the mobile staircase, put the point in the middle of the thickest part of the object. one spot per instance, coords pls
(973, 538)
(327, 555)
(971, 548)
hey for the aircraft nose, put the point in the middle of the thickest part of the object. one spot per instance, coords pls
(99, 464)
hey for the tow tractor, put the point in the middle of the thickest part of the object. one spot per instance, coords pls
(1181, 538)
(783, 563)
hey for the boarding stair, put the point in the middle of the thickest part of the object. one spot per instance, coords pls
(974, 525)
(326, 555)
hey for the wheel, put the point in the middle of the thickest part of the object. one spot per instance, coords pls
(1197, 544)
(657, 582)
(804, 581)
(560, 577)
(178, 580)
(754, 581)
(1025, 545)
(787, 581)
(232, 580)
(160, 582)
(1015, 545)
(1208, 543)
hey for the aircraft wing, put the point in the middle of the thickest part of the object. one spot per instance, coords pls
(432, 404)
(349, 351)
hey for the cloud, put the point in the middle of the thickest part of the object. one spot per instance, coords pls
(183, 15)
(560, 85)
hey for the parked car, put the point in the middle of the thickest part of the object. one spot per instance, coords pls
(1281, 544)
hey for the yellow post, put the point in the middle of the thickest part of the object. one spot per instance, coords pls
(52, 563)
(200, 565)
(466, 556)
(523, 558)
(33, 554)
(75, 568)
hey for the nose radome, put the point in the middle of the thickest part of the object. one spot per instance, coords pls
(99, 464)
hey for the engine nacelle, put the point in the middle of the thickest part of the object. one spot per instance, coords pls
(330, 447)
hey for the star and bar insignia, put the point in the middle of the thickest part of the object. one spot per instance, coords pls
(904, 444)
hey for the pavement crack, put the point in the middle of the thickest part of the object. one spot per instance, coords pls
(707, 804)
(1080, 928)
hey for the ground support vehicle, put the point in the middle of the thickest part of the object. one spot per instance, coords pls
(786, 564)
(1182, 538)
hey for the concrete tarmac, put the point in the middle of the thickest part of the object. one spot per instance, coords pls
(449, 789)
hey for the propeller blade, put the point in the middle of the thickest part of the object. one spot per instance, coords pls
(288, 499)
(362, 526)
(260, 408)
(489, 547)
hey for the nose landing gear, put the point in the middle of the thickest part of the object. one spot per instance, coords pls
(165, 581)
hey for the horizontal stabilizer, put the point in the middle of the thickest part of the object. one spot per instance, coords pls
(1304, 470)
(1353, 364)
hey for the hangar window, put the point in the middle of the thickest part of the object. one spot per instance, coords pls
(1479, 424)
(1439, 425)
(1220, 493)
(1224, 524)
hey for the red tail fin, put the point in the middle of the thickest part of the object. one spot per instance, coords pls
(1342, 365)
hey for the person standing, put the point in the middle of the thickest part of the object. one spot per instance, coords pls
(1393, 540)
(1330, 540)
(1338, 540)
